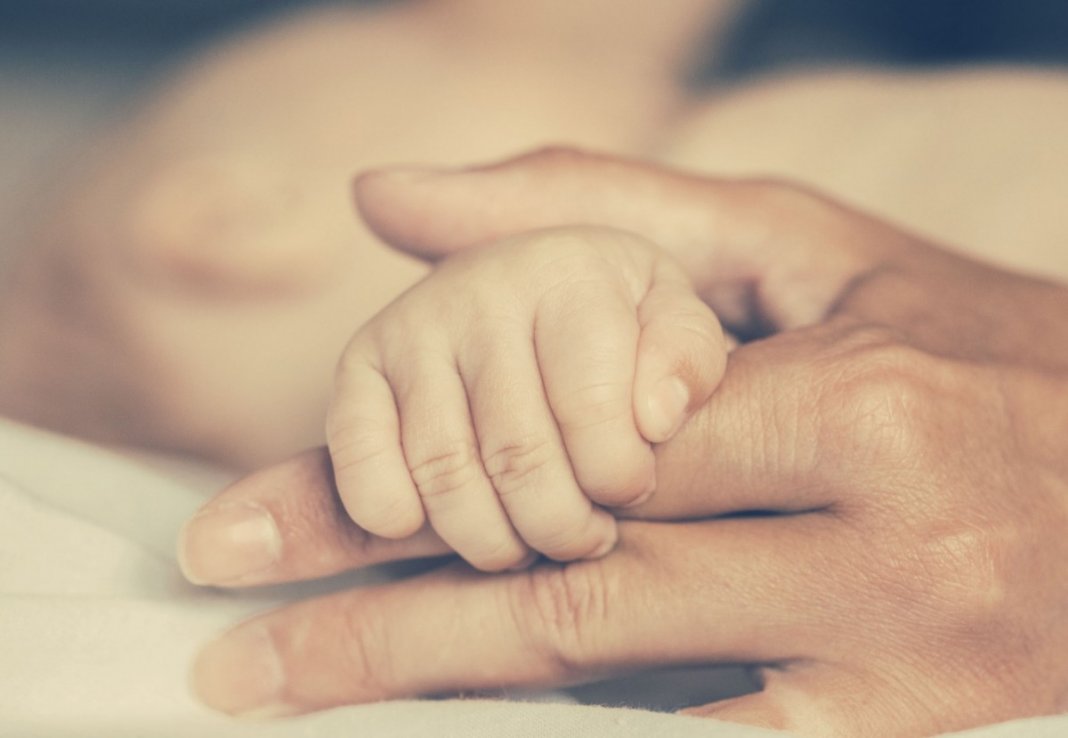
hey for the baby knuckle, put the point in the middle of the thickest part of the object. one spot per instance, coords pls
(591, 405)
(352, 443)
(451, 467)
(515, 466)
(562, 609)
(565, 263)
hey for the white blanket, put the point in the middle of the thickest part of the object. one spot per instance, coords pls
(97, 628)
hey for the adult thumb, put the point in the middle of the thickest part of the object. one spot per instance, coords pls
(753, 249)
(435, 212)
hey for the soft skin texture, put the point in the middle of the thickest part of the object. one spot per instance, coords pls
(516, 388)
(904, 416)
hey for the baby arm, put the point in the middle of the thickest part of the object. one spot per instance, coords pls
(517, 390)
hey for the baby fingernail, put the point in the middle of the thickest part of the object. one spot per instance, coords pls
(229, 543)
(604, 549)
(643, 497)
(241, 674)
(609, 543)
(667, 407)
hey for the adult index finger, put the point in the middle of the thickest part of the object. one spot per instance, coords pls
(282, 524)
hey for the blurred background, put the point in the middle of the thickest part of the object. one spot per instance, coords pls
(66, 65)
(766, 32)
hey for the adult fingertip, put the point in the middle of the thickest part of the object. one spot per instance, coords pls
(241, 673)
(401, 204)
(375, 181)
(376, 187)
(229, 543)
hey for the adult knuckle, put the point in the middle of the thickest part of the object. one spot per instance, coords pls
(515, 466)
(562, 609)
(878, 400)
(970, 566)
(447, 469)
(960, 576)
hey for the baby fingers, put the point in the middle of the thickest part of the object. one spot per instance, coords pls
(404, 452)
(363, 436)
(523, 454)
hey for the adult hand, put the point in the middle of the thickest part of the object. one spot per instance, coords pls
(905, 412)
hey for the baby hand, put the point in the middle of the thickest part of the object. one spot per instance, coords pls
(517, 389)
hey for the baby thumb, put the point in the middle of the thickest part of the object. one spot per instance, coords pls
(682, 355)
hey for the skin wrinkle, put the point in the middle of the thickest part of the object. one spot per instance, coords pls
(512, 464)
(441, 474)
(557, 603)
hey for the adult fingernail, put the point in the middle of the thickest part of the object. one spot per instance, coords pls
(241, 674)
(667, 407)
(229, 543)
